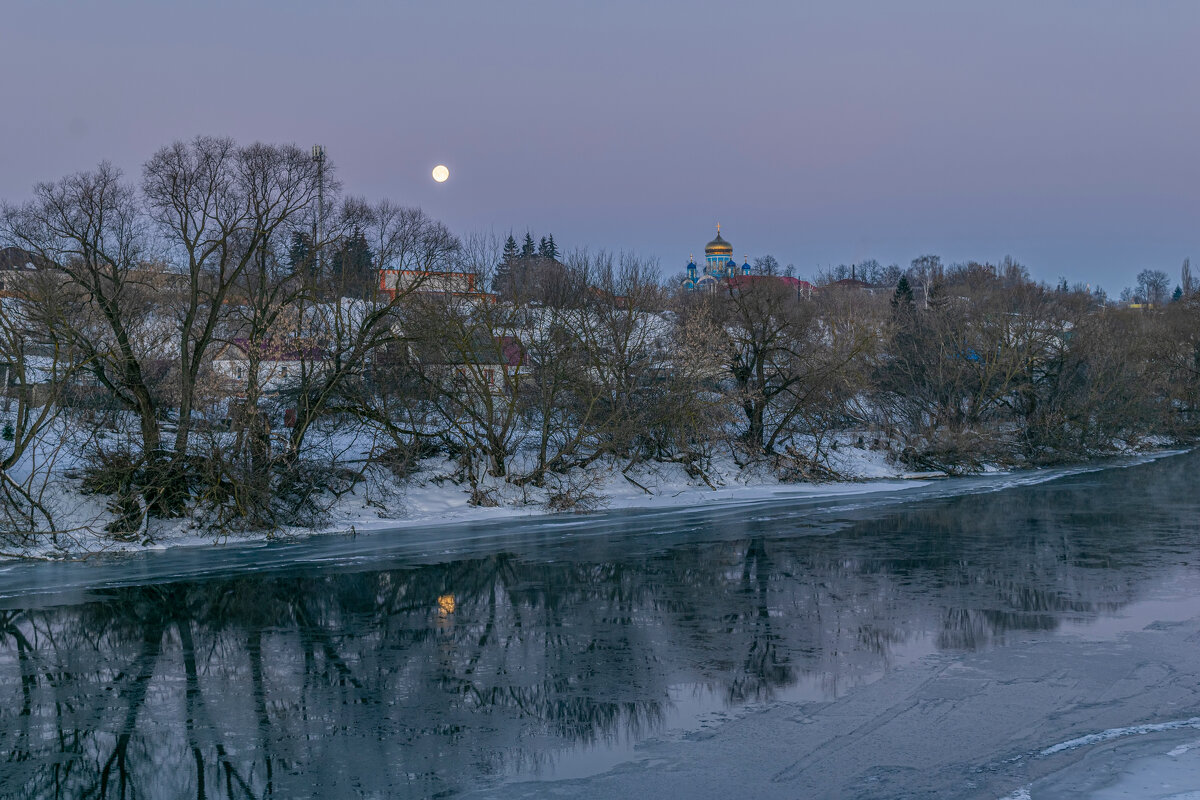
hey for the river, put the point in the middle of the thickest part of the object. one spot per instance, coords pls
(1026, 635)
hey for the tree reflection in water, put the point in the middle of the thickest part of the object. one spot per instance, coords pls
(426, 678)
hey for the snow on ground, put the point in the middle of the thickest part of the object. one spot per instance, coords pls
(430, 497)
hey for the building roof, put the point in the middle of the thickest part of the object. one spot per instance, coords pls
(506, 351)
(739, 281)
(271, 349)
(718, 246)
(16, 258)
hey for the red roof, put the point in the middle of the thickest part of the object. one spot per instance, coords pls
(737, 281)
(282, 350)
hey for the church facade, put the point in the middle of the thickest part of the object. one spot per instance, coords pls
(718, 266)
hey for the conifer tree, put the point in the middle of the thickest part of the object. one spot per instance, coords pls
(527, 247)
(352, 260)
(500, 281)
(543, 248)
(903, 298)
(300, 253)
(551, 248)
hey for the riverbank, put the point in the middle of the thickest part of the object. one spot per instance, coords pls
(430, 497)
(999, 636)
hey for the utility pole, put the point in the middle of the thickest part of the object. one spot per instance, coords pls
(318, 156)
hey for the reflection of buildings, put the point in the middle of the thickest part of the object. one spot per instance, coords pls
(718, 265)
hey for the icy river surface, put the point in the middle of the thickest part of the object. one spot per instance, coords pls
(1033, 635)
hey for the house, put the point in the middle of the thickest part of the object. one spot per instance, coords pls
(393, 282)
(742, 282)
(281, 362)
(496, 365)
(17, 266)
(850, 283)
(37, 373)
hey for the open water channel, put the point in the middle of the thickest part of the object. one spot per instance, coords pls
(1027, 635)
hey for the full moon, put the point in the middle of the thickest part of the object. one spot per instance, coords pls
(440, 173)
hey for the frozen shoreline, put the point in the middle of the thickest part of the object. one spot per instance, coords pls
(430, 500)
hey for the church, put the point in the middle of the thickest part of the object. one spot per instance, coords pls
(718, 265)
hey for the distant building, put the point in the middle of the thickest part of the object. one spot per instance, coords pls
(17, 266)
(851, 283)
(399, 281)
(14, 258)
(280, 362)
(718, 265)
(721, 271)
(744, 282)
(488, 365)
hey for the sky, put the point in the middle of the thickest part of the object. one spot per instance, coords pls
(1064, 134)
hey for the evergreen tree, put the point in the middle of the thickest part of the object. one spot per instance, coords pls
(1178, 295)
(903, 298)
(502, 278)
(300, 253)
(543, 248)
(551, 248)
(510, 249)
(352, 262)
(527, 248)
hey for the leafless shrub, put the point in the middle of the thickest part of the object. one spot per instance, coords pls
(577, 490)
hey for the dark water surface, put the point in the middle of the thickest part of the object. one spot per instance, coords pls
(426, 662)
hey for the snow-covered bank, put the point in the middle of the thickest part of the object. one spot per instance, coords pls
(429, 499)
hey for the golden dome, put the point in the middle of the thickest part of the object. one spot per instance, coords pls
(718, 246)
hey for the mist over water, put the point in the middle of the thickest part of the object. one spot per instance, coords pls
(546, 650)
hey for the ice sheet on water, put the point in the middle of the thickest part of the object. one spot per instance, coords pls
(1019, 794)
(1117, 733)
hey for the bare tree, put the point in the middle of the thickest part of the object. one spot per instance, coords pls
(89, 225)
(37, 368)
(783, 359)
(1153, 286)
(217, 206)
